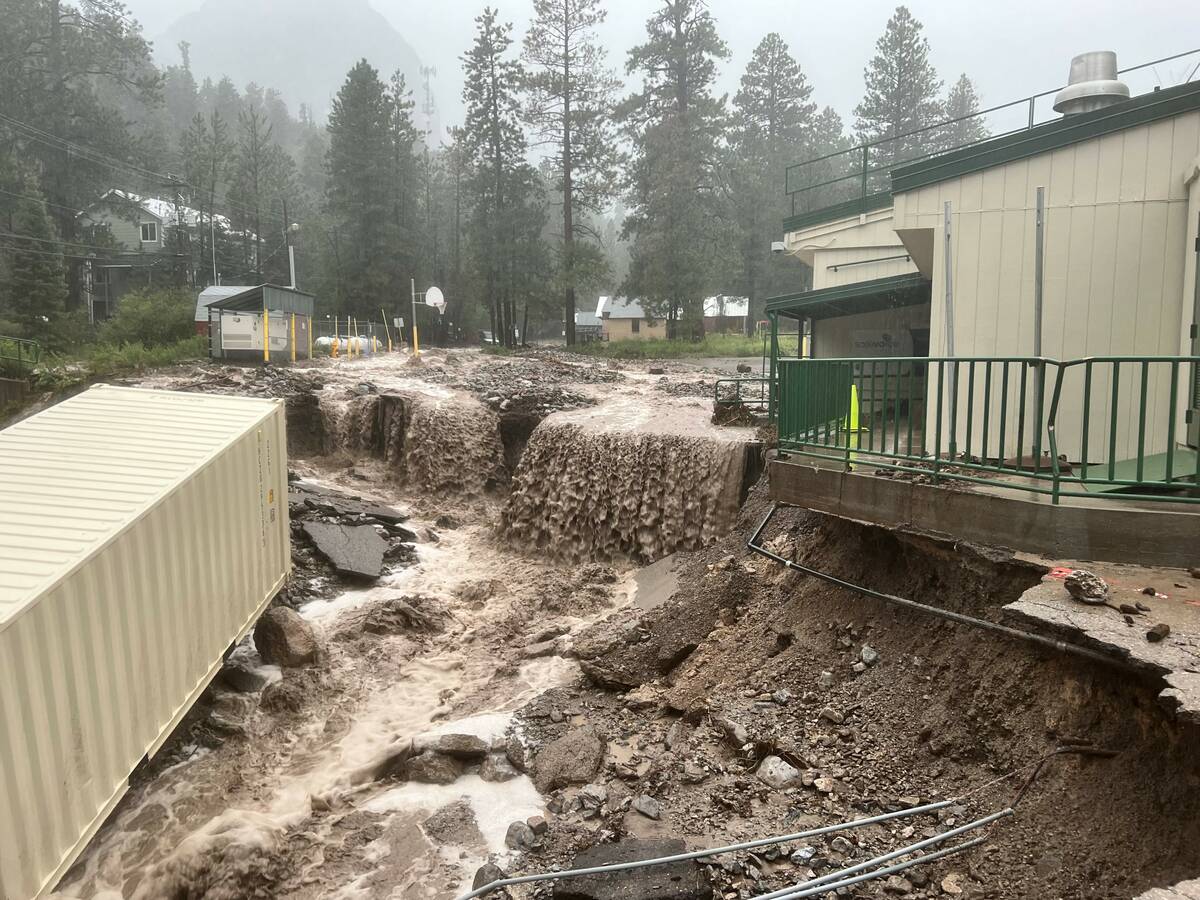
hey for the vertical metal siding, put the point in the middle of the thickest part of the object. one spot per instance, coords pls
(145, 562)
(1116, 245)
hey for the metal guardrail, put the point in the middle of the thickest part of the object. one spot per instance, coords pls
(749, 392)
(854, 174)
(1063, 428)
(18, 356)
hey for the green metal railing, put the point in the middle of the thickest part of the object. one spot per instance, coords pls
(1063, 428)
(750, 392)
(862, 171)
(18, 356)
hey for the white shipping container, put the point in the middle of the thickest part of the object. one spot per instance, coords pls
(141, 535)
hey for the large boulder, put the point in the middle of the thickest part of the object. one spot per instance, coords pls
(675, 881)
(572, 759)
(284, 638)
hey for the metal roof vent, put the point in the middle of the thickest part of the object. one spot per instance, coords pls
(1092, 84)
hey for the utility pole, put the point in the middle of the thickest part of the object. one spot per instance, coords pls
(288, 229)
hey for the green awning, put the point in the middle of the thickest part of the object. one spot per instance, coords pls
(910, 289)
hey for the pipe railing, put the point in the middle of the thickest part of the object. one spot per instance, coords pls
(18, 356)
(1111, 424)
(863, 170)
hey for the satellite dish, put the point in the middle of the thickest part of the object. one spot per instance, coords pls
(433, 297)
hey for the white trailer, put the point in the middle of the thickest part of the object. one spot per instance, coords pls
(141, 535)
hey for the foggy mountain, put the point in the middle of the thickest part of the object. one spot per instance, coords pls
(302, 48)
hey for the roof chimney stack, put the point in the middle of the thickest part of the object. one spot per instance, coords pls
(1092, 84)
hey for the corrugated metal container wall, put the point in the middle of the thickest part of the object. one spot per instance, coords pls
(141, 534)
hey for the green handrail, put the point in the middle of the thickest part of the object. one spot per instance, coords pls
(18, 356)
(953, 418)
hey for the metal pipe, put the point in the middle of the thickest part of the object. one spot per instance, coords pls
(700, 854)
(887, 857)
(889, 870)
(960, 618)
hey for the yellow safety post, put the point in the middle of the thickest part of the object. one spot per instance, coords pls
(386, 330)
(293, 341)
(266, 334)
(852, 427)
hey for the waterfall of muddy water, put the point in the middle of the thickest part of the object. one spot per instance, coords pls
(301, 808)
(431, 438)
(627, 480)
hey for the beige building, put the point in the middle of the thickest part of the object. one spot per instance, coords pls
(623, 319)
(1121, 189)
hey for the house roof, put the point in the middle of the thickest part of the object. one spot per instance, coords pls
(216, 292)
(163, 210)
(273, 296)
(620, 308)
(894, 291)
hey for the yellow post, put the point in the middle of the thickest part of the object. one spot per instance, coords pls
(266, 334)
(416, 343)
(853, 428)
(293, 341)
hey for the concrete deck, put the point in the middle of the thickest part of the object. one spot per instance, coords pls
(1048, 608)
(1120, 531)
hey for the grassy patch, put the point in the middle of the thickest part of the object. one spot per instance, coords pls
(712, 345)
(102, 360)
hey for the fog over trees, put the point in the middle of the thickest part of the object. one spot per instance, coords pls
(556, 188)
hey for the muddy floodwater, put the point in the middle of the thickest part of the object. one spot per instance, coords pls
(297, 801)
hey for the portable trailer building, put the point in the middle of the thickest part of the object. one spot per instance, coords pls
(141, 535)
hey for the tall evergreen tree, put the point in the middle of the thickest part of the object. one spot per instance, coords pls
(403, 178)
(901, 96)
(775, 126)
(34, 293)
(673, 123)
(494, 145)
(359, 164)
(570, 100)
(962, 103)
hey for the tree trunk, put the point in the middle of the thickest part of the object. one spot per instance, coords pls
(568, 197)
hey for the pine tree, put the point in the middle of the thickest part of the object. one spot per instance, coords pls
(775, 126)
(35, 292)
(962, 103)
(403, 176)
(359, 167)
(673, 123)
(901, 96)
(570, 100)
(494, 146)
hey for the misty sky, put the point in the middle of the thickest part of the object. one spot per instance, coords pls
(1011, 49)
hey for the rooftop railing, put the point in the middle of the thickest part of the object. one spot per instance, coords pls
(864, 170)
(1107, 426)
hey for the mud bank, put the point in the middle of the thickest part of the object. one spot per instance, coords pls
(600, 484)
(442, 442)
(873, 708)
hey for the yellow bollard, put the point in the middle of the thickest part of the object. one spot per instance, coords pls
(266, 334)
(293, 340)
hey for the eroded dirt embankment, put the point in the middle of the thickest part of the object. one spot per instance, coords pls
(876, 708)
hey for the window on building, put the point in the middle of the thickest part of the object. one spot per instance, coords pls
(637, 326)
(149, 232)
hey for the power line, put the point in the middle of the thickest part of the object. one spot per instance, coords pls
(40, 200)
(102, 159)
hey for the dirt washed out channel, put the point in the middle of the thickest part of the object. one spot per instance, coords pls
(311, 800)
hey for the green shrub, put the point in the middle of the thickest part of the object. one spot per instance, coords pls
(712, 345)
(151, 317)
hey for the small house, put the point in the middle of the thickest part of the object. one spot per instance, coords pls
(624, 319)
